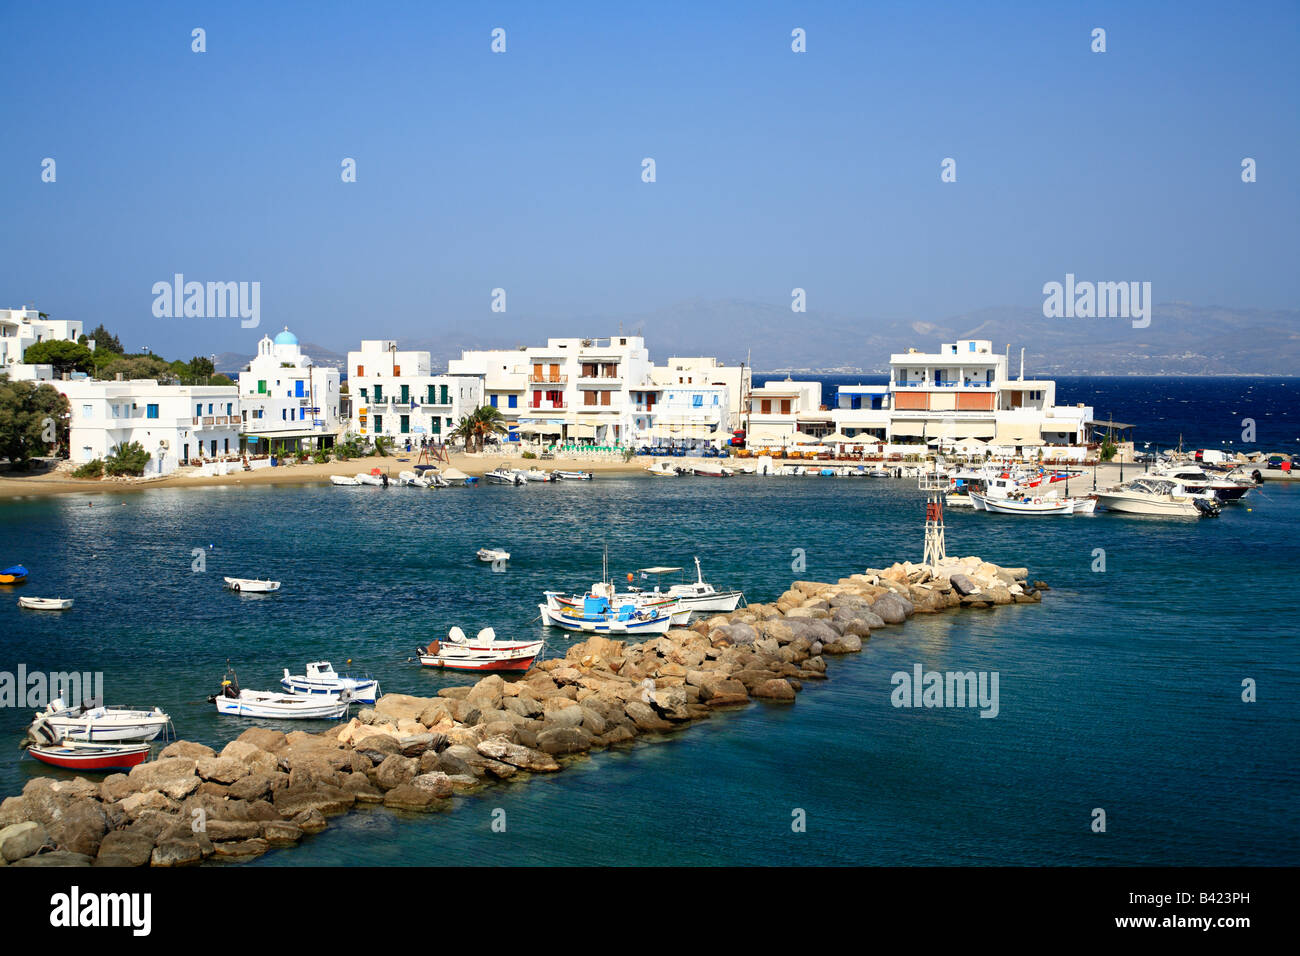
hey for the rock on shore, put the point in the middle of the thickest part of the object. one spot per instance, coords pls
(413, 754)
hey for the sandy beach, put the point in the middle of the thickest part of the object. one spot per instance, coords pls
(17, 485)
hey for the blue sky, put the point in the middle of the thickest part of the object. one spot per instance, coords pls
(523, 170)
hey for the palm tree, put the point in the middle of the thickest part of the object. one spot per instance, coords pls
(480, 425)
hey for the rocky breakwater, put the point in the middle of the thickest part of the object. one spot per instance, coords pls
(414, 754)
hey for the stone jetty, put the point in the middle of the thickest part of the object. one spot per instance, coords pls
(268, 789)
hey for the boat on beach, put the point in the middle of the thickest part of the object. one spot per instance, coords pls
(502, 475)
(344, 480)
(252, 585)
(410, 479)
(483, 653)
(45, 604)
(664, 469)
(321, 678)
(454, 477)
(89, 757)
(96, 723)
(372, 478)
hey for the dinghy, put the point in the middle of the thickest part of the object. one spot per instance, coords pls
(16, 574)
(321, 678)
(252, 585)
(81, 756)
(372, 479)
(256, 703)
(95, 724)
(678, 616)
(345, 480)
(45, 604)
(576, 475)
(664, 469)
(411, 479)
(492, 555)
(484, 653)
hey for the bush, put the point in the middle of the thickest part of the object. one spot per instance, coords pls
(91, 469)
(128, 459)
(321, 457)
(528, 454)
(1108, 449)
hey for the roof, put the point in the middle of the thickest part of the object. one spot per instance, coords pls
(1101, 424)
(286, 338)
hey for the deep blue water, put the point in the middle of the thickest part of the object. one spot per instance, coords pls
(1199, 412)
(1121, 691)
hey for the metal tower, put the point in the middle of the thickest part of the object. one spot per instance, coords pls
(934, 487)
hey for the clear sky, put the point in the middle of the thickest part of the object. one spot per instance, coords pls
(522, 170)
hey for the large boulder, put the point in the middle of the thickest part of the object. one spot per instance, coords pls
(272, 741)
(397, 706)
(174, 776)
(396, 770)
(892, 609)
(21, 840)
(328, 800)
(563, 740)
(186, 748)
(776, 689)
(124, 848)
(497, 748)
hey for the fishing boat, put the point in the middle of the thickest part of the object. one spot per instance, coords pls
(345, 480)
(598, 616)
(484, 653)
(321, 678)
(1036, 505)
(81, 756)
(15, 574)
(502, 475)
(492, 555)
(678, 616)
(697, 595)
(45, 604)
(95, 723)
(252, 585)
(280, 706)
(1157, 496)
(576, 475)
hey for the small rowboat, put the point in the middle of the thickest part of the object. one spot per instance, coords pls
(233, 702)
(597, 617)
(16, 574)
(45, 604)
(252, 585)
(75, 755)
(492, 555)
(484, 653)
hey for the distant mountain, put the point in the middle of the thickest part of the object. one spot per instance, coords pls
(1182, 339)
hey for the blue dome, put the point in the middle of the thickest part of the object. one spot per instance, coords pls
(286, 338)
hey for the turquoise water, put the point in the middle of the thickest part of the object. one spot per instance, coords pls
(1121, 691)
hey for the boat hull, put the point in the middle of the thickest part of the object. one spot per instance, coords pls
(360, 692)
(658, 625)
(1136, 506)
(274, 707)
(91, 758)
(107, 731)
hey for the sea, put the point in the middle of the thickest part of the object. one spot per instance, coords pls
(1147, 708)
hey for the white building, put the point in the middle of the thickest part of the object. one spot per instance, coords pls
(779, 409)
(287, 401)
(394, 394)
(22, 328)
(505, 380)
(702, 370)
(965, 390)
(693, 414)
(176, 424)
(862, 412)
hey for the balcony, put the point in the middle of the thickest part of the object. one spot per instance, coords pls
(595, 381)
(547, 379)
(547, 406)
(210, 421)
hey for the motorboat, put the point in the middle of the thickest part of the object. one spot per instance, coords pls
(15, 574)
(345, 480)
(321, 678)
(82, 756)
(1196, 480)
(576, 475)
(505, 476)
(697, 595)
(664, 469)
(711, 469)
(277, 706)
(90, 722)
(493, 555)
(411, 479)
(536, 474)
(45, 604)
(483, 653)
(371, 478)
(433, 479)
(252, 585)
(1149, 495)
(598, 616)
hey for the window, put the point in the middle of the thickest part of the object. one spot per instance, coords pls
(972, 346)
(198, 410)
(87, 411)
(230, 408)
(151, 411)
(604, 397)
(361, 370)
(442, 391)
(697, 401)
(209, 408)
(406, 424)
(406, 394)
(492, 400)
(261, 386)
(589, 398)
(766, 406)
(379, 395)
(298, 391)
(379, 423)
(512, 401)
(397, 370)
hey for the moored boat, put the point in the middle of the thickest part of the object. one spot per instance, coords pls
(234, 702)
(493, 555)
(96, 723)
(597, 616)
(1159, 497)
(321, 678)
(345, 480)
(1015, 505)
(576, 475)
(81, 756)
(454, 477)
(505, 476)
(14, 574)
(483, 653)
(697, 595)
(252, 585)
(45, 604)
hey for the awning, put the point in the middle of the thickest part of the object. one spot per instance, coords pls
(1017, 435)
(539, 428)
(582, 431)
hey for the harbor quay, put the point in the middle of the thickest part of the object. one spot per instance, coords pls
(268, 789)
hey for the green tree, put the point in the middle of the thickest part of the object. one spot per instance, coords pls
(127, 459)
(63, 355)
(33, 421)
(201, 367)
(1108, 449)
(479, 425)
(137, 366)
(104, 340)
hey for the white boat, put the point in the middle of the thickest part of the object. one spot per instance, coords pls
(678, 616)
(536, 474)
(491, 555)
(505, 476)
(411, 479)
(256, 703)
(664, 469)
(95, 723)
(321, 678)
(1085, 506)
(1196, 480)
(1024, 506)
(576, 475)
(345, 480)
(454, 477)
(1156, 496)
(697, 595)
(597, 616)
(367, 479)
(711, 469)
(252, 585)
(45, 604)
(484, 653)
